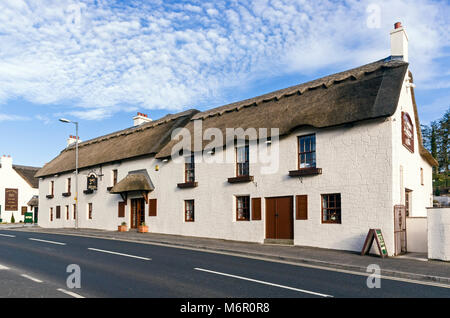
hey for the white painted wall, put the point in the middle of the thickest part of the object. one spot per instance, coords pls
(417, 235)
(439, 233)
(10, 179)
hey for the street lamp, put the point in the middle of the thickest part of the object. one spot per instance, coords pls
(63, 120)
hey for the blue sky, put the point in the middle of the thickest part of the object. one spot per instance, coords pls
(99, 62)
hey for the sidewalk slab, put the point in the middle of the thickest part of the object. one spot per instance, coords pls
(414, 267)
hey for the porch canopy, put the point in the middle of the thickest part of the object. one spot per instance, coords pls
(135, 181)
(34, 201)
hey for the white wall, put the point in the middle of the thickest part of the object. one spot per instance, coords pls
(10, 179)
(439, 233)
(416, 235)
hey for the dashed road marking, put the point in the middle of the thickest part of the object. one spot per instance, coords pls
(264, 283)
(121, 254)
(7, 235)
(31, 278)
(75, 295)
(45, 241)
(3, 267)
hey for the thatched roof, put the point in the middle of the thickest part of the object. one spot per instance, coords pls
(134, 181)
(27, 173)
(146, 139)
(366, 92)
(34, 201)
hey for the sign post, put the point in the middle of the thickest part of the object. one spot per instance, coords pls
(375, 234)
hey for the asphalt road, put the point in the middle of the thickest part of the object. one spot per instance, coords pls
(35, 265)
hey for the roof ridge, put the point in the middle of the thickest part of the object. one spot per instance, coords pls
(325, 82)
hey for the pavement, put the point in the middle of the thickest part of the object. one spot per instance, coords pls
(412, 266)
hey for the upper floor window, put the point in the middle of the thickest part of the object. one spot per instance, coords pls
(69, 185)
(90, 211)
(307, 151)
(114, 177)
(331, 208)
(52, 188)
(189, 169)
(242, 161)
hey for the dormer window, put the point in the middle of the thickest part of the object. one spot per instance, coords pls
(189, 169)
(242, 161)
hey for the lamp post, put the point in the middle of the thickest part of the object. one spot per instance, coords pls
(76, 168)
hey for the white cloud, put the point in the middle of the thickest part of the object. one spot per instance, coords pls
(173, 56)
(8, 117)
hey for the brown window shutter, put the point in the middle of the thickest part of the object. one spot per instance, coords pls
(58, 212)
(121, 209)
(152, 207)
(302, 207)
(256, 209)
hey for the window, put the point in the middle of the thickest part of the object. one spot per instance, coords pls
(58, 212)
(242, 208)
(331, 208)
(74, 211)
(421, 176)
(51, 214)
(114, 176)
(52, 187)
(67, 213)
(69, 185)
(307, 151)
(121, 207)
(189, 210)
(408, 199)
(242, 161)
(189, 169)
(152, 207)
(90, 211)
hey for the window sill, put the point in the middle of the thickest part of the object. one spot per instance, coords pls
(305, 172)
(89, 191)
(66, 194)
(240, 179)
(191, 184)
(50, 196)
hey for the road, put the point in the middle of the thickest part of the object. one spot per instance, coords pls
(35, 265)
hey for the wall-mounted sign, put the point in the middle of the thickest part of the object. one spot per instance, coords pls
(375, 234)
(407, 132)
(11, 199)
(92, 182)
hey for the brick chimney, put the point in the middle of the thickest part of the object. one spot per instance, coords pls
(399, 42)
(6, 162)
(141, 119)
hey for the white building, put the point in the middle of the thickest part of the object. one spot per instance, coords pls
(17, 187)
(349, 151)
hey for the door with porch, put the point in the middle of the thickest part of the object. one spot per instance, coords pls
(279, 218)
(137, 212)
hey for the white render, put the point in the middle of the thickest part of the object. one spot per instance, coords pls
(439, 234)
(10, 179)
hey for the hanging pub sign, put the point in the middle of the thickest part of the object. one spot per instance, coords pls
(375, 234)
(92, 182)
(11, 199)
(407, 132)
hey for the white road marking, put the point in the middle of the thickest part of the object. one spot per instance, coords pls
(3, 267)
(263, 282)
(45, 241)
(75, 295)
(121, 254)
(31, 278)
(7, 235)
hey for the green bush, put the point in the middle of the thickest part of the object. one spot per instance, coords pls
(13, 220)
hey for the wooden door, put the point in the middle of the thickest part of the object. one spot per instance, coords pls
(279, 218)
(137, 212)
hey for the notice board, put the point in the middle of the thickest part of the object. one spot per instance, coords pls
(11, 199)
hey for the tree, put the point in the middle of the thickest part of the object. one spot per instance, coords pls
(12, 219)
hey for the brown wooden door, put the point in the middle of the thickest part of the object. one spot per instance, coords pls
(279, 218)
(137, 212)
